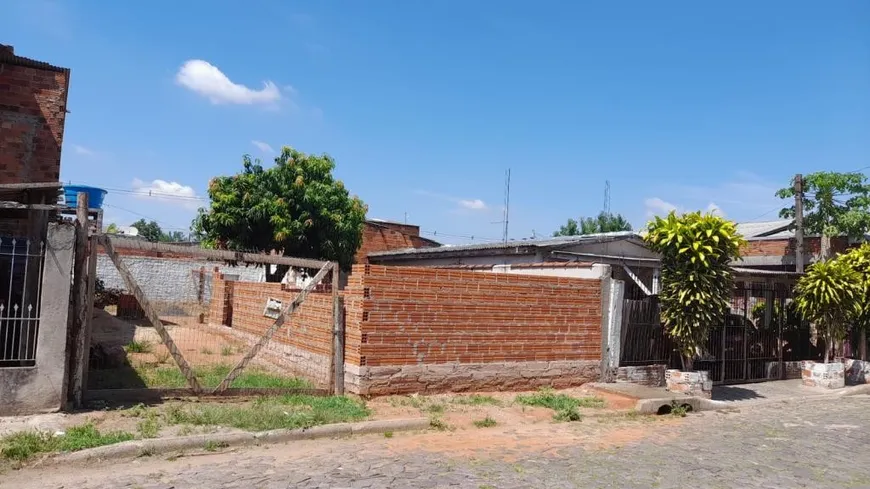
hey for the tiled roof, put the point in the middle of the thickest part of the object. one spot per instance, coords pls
(8, 57)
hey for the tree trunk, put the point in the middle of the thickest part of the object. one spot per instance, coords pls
(862, 347)
(825, 247)
(688, 363)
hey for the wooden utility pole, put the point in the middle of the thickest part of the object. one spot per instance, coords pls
(799, 223)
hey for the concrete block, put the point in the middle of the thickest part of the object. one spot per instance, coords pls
(828, 375)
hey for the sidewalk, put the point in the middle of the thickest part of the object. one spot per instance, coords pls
(731, 396)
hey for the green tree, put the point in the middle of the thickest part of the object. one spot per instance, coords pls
(112, 228)
(834, 204)
(604, 223)
(858, 259)
(149, 230)
(829, 296)
(173, 237)
(295, 207)
(696, 282)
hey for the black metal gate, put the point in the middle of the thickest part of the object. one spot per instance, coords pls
(760, 333)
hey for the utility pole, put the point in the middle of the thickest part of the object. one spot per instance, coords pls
(799, 223)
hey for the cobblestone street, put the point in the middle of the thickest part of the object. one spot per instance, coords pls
(818, 444)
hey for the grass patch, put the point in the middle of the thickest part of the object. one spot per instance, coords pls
(22, 446)
(558, 402)
(486, 422)
(566, 407)
(291, 411)
(388, 434)
(149, 427)
(138, 347)
(477, 400)
(435, 422)
(206, 351)
(226, 351)
(151, 375)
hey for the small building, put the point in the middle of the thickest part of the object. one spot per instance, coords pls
(772, 245)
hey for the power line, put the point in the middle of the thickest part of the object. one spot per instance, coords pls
(149, 193)
(162, 224)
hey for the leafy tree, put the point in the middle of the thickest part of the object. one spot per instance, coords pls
(858, 259)
(149, 230)
(604, 223)
(112, 228)
(829, 295)
(295, 208)
(696, 280)
(834, 204)
(173, 237)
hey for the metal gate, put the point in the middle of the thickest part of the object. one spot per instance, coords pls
(759, 334)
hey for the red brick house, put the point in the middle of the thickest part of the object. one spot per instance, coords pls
(379, 235)
(33, 103)
(771, 245)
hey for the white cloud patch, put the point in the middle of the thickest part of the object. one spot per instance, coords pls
(207, 80)
(170, 192)
(658, 207)
(81, 150)
(474, 204)
(746, 197)
(264, 147)
(462, 204)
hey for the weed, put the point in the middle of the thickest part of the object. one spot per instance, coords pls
(213, 446)
(185, 430)
(477, 400)
(24, 445)
(435, 422)
(146, 452)
(678, 410)
(138, 347)
(226, 351)
(388, 434)
(436, 408)
(568, 414)
(171, 377)
(564, 405)
(206, 351)
(486, 422)
(137, 411)
(148, 428)
(291, 411)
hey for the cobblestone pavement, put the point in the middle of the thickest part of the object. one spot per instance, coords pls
(818, 444)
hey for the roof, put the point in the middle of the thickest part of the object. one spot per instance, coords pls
(528, 245)
(781, 228)
(515, 266)
(8, 57)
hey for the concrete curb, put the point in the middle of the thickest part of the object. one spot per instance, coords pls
(158, 446)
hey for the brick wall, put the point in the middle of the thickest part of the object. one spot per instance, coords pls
(33, 97)
(384, 236)
(303, 345)
(784, 247)
(424, 329)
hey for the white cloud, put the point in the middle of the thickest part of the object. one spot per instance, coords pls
(464, 204)
(171, 192)
(207, 80)
(658, 207)
(475, 204)
(712, 208)
(81, 150)
(264, 147)
(746, 196)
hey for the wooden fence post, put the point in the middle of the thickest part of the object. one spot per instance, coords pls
(79, 351)
(337, 361)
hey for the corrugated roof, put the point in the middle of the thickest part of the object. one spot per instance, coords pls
(526, 243)
(765, 229)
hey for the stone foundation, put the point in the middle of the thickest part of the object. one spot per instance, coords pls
(857, 372)
(649, 375)
(792, 370)
(827, 375)
(696, 383)
(466, 377)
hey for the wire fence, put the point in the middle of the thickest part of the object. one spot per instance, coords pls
(215, 318)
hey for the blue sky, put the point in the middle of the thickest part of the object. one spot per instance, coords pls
(424, 104)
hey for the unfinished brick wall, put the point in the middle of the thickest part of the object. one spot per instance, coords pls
(33, 97)
(303, 345)
(425, 329)
(786, 247)
(384, 236)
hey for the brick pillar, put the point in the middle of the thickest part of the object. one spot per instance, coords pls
(220, 307)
